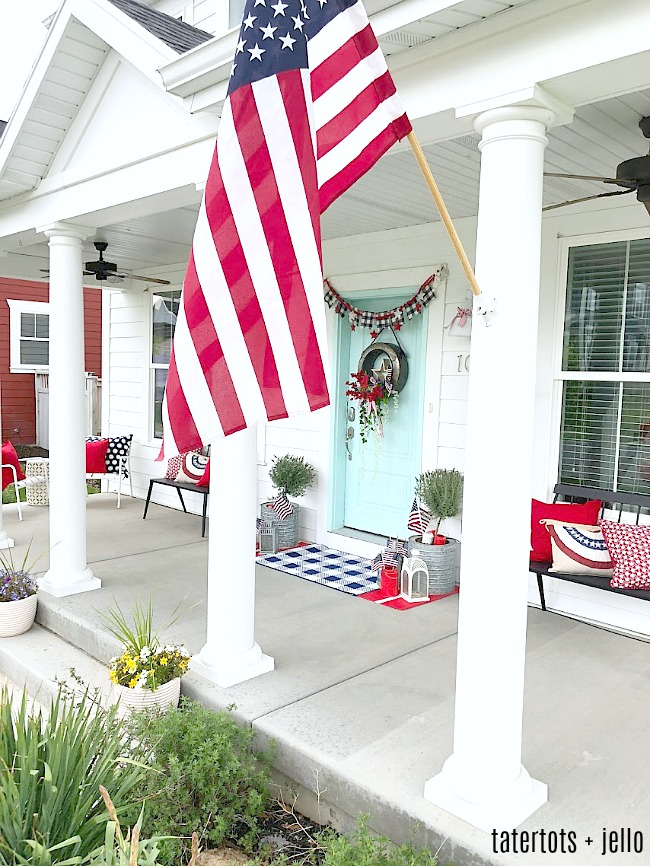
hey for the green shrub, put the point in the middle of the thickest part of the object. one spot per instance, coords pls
(129, 850)
(209, 780)
(50, 772)
(291, 475)
(364, 849)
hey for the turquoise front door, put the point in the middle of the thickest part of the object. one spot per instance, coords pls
(380, 475)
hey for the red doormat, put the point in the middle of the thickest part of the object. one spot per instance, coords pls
(399, 603)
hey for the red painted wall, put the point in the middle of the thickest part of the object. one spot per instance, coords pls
(18, 395)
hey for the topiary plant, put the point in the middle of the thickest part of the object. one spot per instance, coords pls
(441, 490)
(291, 475)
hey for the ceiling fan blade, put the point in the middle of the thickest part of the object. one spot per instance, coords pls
(583, 177)
(145, 279)
(588, 198)
(47, 271)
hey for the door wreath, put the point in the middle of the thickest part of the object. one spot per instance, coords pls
(374, 387)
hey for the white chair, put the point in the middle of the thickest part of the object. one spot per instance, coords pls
(123, 465)
(21, 485)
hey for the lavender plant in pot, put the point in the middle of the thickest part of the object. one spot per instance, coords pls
(291, 476)
(17, 595)
(441, 490)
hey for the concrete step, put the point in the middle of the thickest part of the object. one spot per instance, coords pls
(38, 660)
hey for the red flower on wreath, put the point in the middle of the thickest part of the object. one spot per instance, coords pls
(373, 396)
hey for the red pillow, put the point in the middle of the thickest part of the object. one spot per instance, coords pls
(204, 480)
(629, 547)
(567, 512)
(96, 455)
(9, 456)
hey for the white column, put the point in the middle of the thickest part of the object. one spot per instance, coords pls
(5, 540)
(484, 782)
(231, 654)
(68, 572)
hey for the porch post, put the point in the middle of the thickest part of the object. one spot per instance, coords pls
(68, 572)
(230, 654)
(5, 540)
(484, 782)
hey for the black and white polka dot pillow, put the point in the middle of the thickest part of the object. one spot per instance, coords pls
(118, 446)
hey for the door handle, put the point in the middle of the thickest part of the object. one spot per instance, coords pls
(349, 434)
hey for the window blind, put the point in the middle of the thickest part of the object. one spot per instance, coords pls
(605, 427)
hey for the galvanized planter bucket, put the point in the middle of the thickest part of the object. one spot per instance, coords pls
(287, 528)
(440, 560)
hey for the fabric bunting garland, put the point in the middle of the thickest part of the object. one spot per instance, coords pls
(394, 318)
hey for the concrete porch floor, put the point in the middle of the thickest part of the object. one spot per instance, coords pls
(360, 705)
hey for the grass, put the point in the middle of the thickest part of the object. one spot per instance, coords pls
(9, 495)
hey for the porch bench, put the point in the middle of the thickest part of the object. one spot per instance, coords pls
(181, 485)
(637, 503)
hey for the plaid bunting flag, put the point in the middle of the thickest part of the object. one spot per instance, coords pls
(282, 507)
(419, 518)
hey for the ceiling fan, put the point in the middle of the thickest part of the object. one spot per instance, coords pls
(107, 271)
(632, 174)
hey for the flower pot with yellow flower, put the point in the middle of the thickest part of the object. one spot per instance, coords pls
(147, 673)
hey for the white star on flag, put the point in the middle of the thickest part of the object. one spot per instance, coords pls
(248, 22)
(256, 53)
(268, 31)
(297, 23)
(240, 46)
(279, 8)
(287, 41)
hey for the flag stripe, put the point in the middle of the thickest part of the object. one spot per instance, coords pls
(300, 211)
(335, 34)
(343, 61)
(210, 388)
(359, 109)
(287, 276)
(350, 170)
(240, 249)
(347, 88)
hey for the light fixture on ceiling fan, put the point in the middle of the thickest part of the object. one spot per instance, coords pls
(632, 174)
(104, 271)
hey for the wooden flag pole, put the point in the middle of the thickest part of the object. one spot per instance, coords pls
(444, 213)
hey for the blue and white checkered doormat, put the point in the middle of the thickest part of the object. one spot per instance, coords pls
(326, 566)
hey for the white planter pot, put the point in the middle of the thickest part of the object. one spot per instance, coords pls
(132, 700)
(17, 617)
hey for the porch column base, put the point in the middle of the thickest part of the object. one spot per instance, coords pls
(235, 668)
(501, 807)
(63, 583)
(5, 541)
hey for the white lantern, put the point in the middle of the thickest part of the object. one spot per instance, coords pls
(414, 582)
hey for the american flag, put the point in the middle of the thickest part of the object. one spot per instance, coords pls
(419, 518)
(310, 108)
(282, 507)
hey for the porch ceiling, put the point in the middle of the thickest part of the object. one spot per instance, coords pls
(393, 194)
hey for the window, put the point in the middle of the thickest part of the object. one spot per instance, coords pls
(605, 426)
(29, 330)
(163, 320)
